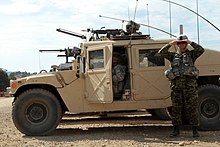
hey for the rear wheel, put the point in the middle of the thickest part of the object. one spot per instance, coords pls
(209, 107)
(36, 112)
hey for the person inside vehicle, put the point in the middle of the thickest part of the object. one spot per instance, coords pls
(118, 75)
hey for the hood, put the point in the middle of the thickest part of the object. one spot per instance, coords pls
(57, 79)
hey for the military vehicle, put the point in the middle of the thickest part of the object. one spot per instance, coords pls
(85, 84)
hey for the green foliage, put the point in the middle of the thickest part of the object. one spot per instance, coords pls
(6, 77)
(4, 80)
(18, 74)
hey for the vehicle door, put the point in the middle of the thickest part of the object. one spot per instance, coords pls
(149, 81)
(98, 74)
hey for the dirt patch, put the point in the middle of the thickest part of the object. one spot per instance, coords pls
(102, 131)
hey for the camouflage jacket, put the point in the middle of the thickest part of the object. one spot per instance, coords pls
(182, 63)
(118, 73)
(198, 51)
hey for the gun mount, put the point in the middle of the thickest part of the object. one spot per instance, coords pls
(69, 52)
(109, 33)
(114, 34)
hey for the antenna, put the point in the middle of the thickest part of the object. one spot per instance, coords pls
(197, 10)
(170, 18)
(122, 24)
(39, 61)
(194, 13)
(128, 13)
(135, 10)
(128, 16)
(140, 24)
(148, 20)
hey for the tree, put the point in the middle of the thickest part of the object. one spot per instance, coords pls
(18, 74)
(12, 76)
(4, 80)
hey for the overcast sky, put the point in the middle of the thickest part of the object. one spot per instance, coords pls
(27, 26)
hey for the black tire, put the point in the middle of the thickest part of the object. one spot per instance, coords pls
(209, 107)
(36, 112)
(162, 114)
(151, 111)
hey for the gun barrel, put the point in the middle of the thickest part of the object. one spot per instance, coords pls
(59, 50)
(71, 33)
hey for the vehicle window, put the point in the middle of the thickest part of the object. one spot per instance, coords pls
(96, 59)
(149, 58)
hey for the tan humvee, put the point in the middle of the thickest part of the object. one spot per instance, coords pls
(41, 100)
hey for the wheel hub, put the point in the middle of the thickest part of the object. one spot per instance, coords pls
(209, 108)
(36, 113)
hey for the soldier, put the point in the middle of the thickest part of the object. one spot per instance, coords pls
(118, 75)
(132, 28)
(183, 75)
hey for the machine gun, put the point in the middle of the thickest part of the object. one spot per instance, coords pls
(69, 52)
(109, 32)
(95, 33)
(71, 33)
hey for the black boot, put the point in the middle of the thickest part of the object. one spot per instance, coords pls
(176, 131)
(195, 132)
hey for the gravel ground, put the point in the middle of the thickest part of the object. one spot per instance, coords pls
(111, 131)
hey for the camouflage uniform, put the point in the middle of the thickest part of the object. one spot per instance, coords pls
(118, 75)
(184, 92)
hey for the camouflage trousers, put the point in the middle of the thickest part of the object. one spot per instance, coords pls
(184, 96)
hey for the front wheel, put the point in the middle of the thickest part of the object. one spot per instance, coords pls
(209, 107)
(36, 112)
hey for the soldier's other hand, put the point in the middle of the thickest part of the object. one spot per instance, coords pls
(173, 42)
